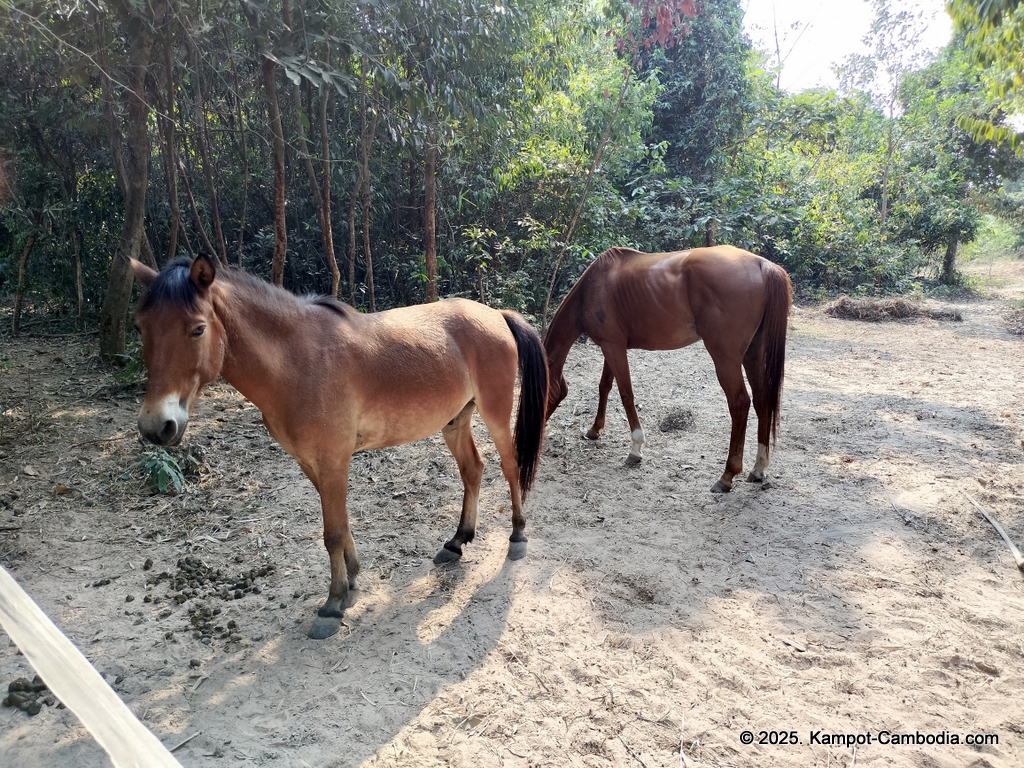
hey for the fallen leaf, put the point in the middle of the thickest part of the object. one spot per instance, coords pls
(31, 471)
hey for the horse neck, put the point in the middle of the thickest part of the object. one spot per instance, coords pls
(562, 334)
(261, 338)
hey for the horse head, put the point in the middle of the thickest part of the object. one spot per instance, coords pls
(183, 343)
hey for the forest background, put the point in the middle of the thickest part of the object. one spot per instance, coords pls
(393, 152)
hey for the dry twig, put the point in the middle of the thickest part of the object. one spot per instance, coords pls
(1017, 556)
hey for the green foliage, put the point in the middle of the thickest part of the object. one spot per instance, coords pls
(162, 472)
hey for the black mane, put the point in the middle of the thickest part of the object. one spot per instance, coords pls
(172, 286)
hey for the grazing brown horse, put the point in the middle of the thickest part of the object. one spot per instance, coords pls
(331, 381)
(734, 301)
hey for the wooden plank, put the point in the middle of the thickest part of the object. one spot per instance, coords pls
(76, 682)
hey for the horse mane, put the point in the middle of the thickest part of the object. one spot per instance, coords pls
(173, 285)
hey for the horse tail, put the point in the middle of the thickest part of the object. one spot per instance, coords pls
(778, 300)
(533, 398)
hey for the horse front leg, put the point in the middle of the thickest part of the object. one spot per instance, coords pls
(617, 362)
(341, 549)
(458, 435)
(603, 389)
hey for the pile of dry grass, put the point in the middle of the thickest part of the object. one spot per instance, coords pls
(879, 310)
(1015, 321)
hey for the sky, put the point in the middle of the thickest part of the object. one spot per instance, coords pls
(815, 34)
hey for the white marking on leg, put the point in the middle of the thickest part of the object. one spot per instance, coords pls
(636, 449)
(761, 464)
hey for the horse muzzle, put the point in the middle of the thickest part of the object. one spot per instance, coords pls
(164, 424)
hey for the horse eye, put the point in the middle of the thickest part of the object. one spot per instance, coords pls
(197, 332)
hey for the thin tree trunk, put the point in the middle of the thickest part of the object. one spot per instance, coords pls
(889, 149)
(280, 226)
(269, 71)
(949, 260)
(202, 135)
(325, 153)
(322, 213)
(429, 217)
(586, 190)
(116, 139)
(19, 297)
(245, 155)
(114, 315)
(207, 243)
(170, 151)
(76, 256)
(360, 181)
(367, 197)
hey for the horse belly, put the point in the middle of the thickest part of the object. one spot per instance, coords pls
(665, 337)
(398, 423)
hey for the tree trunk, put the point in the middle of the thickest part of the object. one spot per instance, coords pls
(19, 297)
(116, 140)
(269, 70)
(169, 152)
(323, 214)
(208, 246)
(325, 153)
(429, 217)
(114, 315)
(244, 151)
(886, 171)
(949, 260)
(76, 255)
(202, 144)
(280, 227)
(367, 198)
(357, 189)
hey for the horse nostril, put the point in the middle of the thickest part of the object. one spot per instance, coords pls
(168, 432)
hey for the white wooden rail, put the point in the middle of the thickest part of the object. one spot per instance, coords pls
(76, 682)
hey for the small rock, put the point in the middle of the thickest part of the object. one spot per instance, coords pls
(194, 662)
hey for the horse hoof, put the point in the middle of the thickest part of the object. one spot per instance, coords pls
(446, 556)
(720, 487)
(323, 627)
(633, 459)
(516, 550)
(591, 434)
(752, 478)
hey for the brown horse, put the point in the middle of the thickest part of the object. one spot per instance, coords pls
(331, 381)
(734, 301)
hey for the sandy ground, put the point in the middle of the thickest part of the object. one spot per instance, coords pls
(652, 623)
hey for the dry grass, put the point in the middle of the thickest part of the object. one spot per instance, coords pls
(1015, 321)
(880, 310)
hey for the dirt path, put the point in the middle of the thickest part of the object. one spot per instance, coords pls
(859, 593)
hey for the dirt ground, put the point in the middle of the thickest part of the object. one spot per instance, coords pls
(652, 623)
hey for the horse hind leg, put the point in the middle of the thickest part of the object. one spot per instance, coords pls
(458, 435)
(603, 389)
(753, 364)
(496, 415)
(730, 377)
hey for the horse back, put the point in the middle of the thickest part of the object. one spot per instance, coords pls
(670, 300)
(407, 372)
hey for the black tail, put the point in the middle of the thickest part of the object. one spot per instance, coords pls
(533, 398)
(778, 299)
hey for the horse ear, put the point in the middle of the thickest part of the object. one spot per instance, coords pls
(202, 272)
(143, 273)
